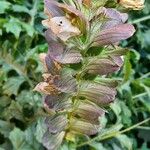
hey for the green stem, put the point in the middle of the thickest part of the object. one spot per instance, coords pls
(33, 12)
(139, 95)
(145, 75)
(114, 134)
(143, 128)
(140, 19)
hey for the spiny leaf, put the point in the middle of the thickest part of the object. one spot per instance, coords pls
(12, 85)
(14, 27)
(17, 138)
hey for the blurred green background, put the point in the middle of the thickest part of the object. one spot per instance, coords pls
(21, 40)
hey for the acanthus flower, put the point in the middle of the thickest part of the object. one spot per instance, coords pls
(70, 96)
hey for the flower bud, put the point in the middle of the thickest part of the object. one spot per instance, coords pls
(132, 4)
(62, 27)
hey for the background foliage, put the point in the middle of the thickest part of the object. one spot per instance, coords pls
(21, 40)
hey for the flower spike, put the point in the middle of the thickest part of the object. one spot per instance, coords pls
(73, 100)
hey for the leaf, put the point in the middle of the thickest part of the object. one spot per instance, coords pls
(125, 141)
(14, 111)
(144, 134)
(144, 146)
(7, 145)
(68, 146)
(17, 138)
(126, 114)
(107, 131)
(97, 146)
(28, 28)
(13, 26)
(5, 128)
(4, 101)
(4, 5)
(34, 99)
(116, 109)
(40, 129)
(19, 8)
(9, 63)
(12, 85)
(31, 138)
(115, 34)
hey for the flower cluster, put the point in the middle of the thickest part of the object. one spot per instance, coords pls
(83, 40)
